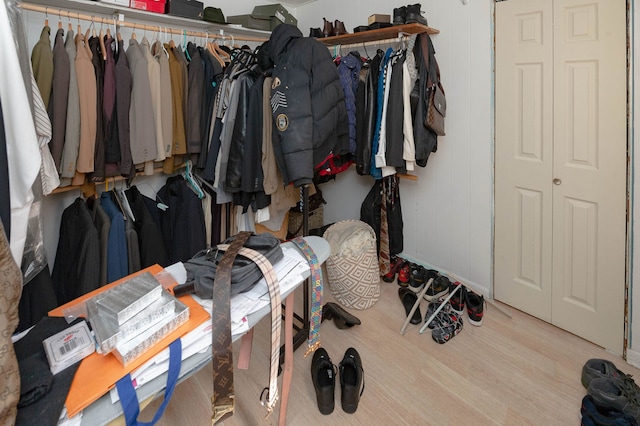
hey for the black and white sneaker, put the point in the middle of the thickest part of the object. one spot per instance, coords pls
(439, 288)
(446, 327)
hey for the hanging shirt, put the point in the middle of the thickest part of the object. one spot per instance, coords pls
(87, 91)
(59, 98)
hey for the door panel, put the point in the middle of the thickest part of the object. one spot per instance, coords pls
(524, 155)
(590, 153)
(560, 163)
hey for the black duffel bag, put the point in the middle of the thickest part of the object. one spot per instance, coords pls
(201, 268)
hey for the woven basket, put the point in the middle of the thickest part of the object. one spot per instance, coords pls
(352, 267)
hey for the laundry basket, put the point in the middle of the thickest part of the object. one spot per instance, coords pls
(352, 267)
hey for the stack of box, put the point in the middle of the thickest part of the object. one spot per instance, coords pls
(265, 17)
(133, 316)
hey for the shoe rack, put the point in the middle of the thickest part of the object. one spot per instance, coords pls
(377, 35)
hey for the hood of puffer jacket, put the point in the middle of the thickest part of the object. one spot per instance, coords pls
(280, 38)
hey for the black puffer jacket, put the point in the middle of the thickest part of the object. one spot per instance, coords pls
(307, 103)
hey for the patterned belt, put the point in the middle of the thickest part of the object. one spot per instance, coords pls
(276, 311)
(223, 399)
(316, 294)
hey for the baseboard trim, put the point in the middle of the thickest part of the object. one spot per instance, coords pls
(633, 358)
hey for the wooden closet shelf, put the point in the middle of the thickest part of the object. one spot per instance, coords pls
(379, 34)
(89, 188)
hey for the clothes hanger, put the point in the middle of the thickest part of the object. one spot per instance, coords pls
(46, 16)
(133, 34)
(188, 176)
(103, 48)
(59, 19)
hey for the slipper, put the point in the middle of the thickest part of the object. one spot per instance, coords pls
(408, 299)
(341, 317)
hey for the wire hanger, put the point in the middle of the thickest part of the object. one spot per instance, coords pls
(46, 16)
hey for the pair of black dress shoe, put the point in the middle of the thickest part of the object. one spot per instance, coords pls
(323, 374)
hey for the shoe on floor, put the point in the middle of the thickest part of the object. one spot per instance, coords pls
(408, 299)
(431, 308)
(323, 375)
(394, 267)
(612, 394)
(351, 380)
(475, 307)
(592, 415)
(596, 367)
(404, 274)
(457, 300)
(439, 288)
(446, 327)
(341, 318)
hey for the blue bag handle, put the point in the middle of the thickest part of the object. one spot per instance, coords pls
(129, 399)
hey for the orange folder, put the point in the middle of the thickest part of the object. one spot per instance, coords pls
(97, 373)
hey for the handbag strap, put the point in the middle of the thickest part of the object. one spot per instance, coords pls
(276, 320)
(316, 294)
(427, 55)
(223, 399)
(129, 398)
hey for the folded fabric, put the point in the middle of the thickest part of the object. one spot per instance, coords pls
(35, 379)
(45, 407)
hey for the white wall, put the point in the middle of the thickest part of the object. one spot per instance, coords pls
(448, 212)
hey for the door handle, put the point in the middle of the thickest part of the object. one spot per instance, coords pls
(557, 181)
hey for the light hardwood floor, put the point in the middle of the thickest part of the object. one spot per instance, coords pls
(518, 371)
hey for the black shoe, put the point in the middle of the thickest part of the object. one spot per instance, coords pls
(341, 318)
(351, 380)
(315, 32)
(408, 299)
(399, 15)
(439, 288)
(323, 374)
(414, 15)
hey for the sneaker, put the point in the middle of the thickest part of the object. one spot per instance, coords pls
(475, 307)
(404, 275)
(394, 267)
(439, 288)
(457, 300)
(431, 308)
(613, 394)
(595, 368)
(592, 415)
(447, 326)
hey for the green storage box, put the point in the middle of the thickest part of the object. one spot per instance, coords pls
(274, 11)
(249, 21)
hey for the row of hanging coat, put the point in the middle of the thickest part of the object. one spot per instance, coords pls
(114, 111)
(386, 109)
(122, 231)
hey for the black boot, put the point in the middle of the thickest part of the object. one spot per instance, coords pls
(414, 15)
(315, 32)
(399, 15)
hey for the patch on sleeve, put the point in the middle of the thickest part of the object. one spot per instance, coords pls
(282, 122)
(278, 100)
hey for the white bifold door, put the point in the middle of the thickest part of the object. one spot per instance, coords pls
(561, 163)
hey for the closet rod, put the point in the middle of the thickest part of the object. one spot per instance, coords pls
(153, 28)
(367, 43)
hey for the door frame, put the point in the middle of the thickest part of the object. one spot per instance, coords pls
(631, 334)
